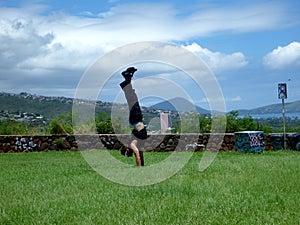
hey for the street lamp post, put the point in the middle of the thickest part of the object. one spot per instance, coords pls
(282, 94)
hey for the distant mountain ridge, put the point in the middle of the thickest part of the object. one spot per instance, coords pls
(291, 107)
(179, 104)
(51, 107)
(184, 105)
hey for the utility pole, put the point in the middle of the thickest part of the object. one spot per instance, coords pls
(283, 120)
(282, 94)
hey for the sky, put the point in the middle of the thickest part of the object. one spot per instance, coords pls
(46, 46)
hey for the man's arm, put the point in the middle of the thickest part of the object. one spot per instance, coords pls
(133, 146)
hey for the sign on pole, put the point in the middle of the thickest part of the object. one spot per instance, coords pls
(282, 91)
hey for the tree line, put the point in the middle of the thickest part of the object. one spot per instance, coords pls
(102, 124)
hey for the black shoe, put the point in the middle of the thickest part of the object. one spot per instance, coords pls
(128, 74)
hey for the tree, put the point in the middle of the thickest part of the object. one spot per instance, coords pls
(61, 125)
(10, 127)
(103, 123)
(205, 124)
(189, 122)
(104, 127)
(235, 124)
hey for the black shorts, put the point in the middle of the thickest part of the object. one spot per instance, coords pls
(141, 134)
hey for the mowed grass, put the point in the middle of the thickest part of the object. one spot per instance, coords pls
(61, 188)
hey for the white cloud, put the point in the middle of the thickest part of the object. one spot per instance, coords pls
(218, 61)
(236, 99)
(19, 40)
(233, 99)
(237, 18)
(37, 42)
(283, 57)
(82, 39)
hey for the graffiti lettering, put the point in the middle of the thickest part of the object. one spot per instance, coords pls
(256, 140)
(25, 144)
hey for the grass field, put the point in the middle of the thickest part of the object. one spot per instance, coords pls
(61, 188)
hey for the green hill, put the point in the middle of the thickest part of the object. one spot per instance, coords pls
(46, 106)
(51, 107)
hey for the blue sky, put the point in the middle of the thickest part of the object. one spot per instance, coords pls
(250, 46)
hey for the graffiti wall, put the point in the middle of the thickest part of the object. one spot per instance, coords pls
(24, 144)
(249, 141)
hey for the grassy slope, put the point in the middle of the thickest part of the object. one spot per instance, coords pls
(49, 109)
(60, 188)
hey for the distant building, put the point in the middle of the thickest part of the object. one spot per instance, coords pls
(165, 122)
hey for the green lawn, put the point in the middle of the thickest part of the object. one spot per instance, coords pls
(61, 188)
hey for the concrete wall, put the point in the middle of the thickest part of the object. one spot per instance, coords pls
(160, 142)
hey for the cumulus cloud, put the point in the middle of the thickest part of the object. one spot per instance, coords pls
(19, 41)
(218, 61)
(36, 41)
(31, 38)
(283, 57)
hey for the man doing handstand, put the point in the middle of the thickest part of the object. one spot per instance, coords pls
(139, 132)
